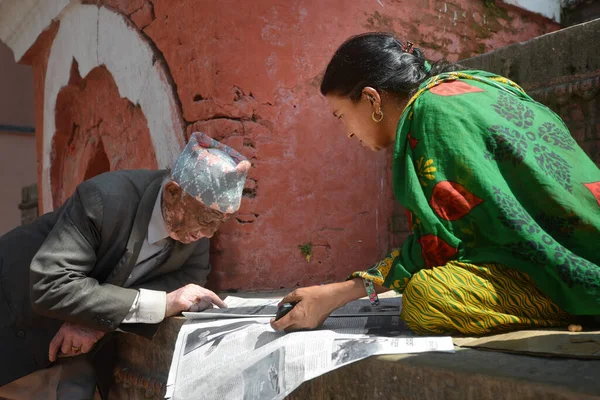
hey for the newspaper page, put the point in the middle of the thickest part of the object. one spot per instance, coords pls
(244, 358)
(252, 308)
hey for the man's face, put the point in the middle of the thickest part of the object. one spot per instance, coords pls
(187, 219)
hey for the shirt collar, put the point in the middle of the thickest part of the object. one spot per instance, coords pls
(157, 229)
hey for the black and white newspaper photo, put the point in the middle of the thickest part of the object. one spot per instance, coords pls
(227, 357)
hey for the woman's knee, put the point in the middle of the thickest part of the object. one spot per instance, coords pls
(420, 306)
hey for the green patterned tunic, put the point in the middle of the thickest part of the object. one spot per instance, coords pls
(490, 176)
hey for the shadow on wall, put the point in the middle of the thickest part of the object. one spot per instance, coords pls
(98, 163)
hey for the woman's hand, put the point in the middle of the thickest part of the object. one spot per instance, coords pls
(315, 303)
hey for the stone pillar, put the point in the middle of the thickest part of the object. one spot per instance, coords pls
(560, 70)
(29, 204)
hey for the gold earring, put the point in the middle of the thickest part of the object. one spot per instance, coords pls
(377, 116)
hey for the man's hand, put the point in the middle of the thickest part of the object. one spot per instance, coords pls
(72, 340)
(191, 297)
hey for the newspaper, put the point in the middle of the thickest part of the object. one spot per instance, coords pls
(244, 358)
(252, 308)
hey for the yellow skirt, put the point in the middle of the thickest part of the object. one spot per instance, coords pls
(476, 300)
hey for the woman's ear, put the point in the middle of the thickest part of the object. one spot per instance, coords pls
(171, 193)
(372, 96)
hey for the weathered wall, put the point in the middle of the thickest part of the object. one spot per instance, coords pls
(579, 11)
(247, 73)
(16, 91)
(17, 169)
(93, 122)
(17, 148)
(562, 71)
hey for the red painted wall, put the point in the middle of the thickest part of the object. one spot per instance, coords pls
(247, 73)
(96, 131)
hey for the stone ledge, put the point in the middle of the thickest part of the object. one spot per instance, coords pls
(467, 374)
(546, 59)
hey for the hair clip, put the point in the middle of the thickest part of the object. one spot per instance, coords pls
(408, 47)
(426, 66)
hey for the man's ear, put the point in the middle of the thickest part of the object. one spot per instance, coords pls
(171, 193)
(242, 167)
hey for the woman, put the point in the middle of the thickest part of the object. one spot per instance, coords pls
(503, 204)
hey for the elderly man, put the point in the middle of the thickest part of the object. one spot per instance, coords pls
(128, 249)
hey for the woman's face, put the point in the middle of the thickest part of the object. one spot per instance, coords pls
(358, 122)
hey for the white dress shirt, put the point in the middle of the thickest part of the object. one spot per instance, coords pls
(149, 306)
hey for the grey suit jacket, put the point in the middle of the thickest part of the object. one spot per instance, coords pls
(71, 265)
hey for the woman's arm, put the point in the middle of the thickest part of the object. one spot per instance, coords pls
(315, 303)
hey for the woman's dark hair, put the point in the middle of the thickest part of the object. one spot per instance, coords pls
(377, 60)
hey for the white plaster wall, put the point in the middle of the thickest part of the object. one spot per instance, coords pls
(22, 21)
(547, 8)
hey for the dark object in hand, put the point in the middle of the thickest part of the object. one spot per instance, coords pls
(283, 309)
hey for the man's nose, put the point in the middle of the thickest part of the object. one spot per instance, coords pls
(208, 233)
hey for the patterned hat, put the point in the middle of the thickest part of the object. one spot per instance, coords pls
(211, 172)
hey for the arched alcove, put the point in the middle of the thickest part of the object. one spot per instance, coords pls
(96, 131)
(98, 38)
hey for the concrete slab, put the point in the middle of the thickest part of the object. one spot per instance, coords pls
(467, 374)
(143, 366)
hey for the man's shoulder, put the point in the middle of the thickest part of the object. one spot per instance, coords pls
(112, 199)
(119, 183)
(117, 192)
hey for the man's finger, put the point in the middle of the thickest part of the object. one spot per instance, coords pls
(213, 298)
(201, 306)
(55, 345)
(87, 345)
(67, 345)
(98, 335)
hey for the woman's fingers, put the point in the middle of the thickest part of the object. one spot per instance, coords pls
(313, 306)
(285, 322)
(293, 328)
(291, 298)
(281, 324)
(293, 321)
